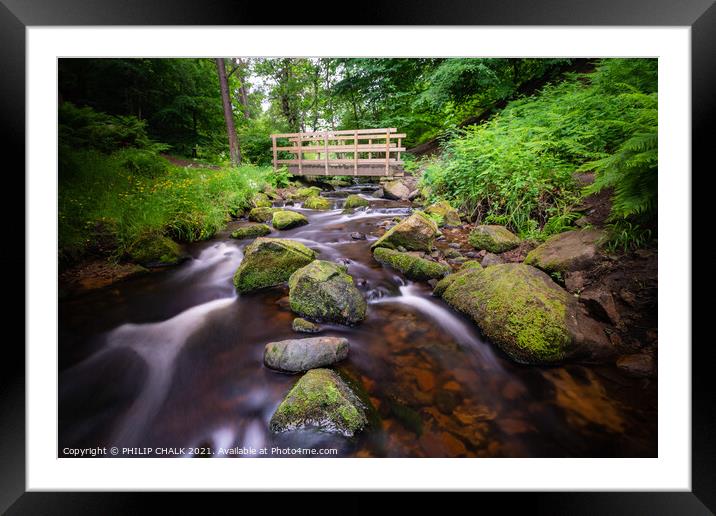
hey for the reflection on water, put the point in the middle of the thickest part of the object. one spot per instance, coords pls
(174, 359)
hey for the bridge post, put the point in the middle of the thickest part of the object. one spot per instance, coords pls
(387, 152)
(300, 150)
(275, 153)
(325, 143)
(355, 153)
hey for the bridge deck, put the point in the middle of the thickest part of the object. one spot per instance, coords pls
(354, 152)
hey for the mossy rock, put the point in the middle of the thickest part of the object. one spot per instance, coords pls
(305, 193)
(517, 307)
(416, 233)
(465, 268)
(155, 251)
(262, 214)
(269, 262)
(321, 400)
(301, 325)
(568, 251)
(296, 355)
(495, 239)
(323, 291)
(261, 200)
(448, 214)
(317, 203)
(355, 201)
(413, 267)
(251, 231)
(285, 219)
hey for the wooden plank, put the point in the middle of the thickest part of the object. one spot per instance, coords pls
(340, 132)
(343, 148)
(308, 137)
(349, 161)
(318, 170)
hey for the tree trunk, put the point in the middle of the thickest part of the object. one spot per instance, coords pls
(234, 150)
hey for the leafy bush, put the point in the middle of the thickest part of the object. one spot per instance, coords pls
(279, 178)
(517, 168)
(85, 128)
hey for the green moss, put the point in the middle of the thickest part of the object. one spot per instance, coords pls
(320, 399)
(317, 203)
(447, 281)
(302, 325)
(412, 266)
(516, 306)
(495, 239)
(286, 219)
(251, 231)
(355, 201)
(261, 200)
(270, 261)
(446, 214)
(262, 214)
(305, 193)
(153, 249)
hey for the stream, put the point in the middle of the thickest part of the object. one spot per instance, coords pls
(174, 359)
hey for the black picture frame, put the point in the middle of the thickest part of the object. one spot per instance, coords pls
(17, 15)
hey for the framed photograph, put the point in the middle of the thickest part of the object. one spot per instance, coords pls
(422, 252)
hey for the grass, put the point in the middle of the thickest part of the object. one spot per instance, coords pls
(107, 203)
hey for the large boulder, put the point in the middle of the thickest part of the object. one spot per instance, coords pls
(251, 231)
(531, 318)
(323, 291)
(355, 201)
(566, 252)
(269, 262)
(396, 190)
(494, 239)
(297, 355)
(413, 267)
(262, 214)
(416, 233)
(286, 219)
(317, 202)
(321, 400)
(446, 213)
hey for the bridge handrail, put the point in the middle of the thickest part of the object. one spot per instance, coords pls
(339, 145)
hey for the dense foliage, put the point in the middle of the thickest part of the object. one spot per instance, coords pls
(518, 168)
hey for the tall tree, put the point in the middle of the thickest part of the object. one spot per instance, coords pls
(234, 150)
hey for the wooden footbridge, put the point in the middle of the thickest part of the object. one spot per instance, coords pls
(355, 152)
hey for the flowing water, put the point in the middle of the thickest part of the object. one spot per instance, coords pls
(173, 359)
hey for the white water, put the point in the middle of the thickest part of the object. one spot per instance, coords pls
(158, 344)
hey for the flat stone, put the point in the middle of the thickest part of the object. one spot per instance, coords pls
(295, 355)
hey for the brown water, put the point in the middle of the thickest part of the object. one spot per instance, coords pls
(174, 359)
